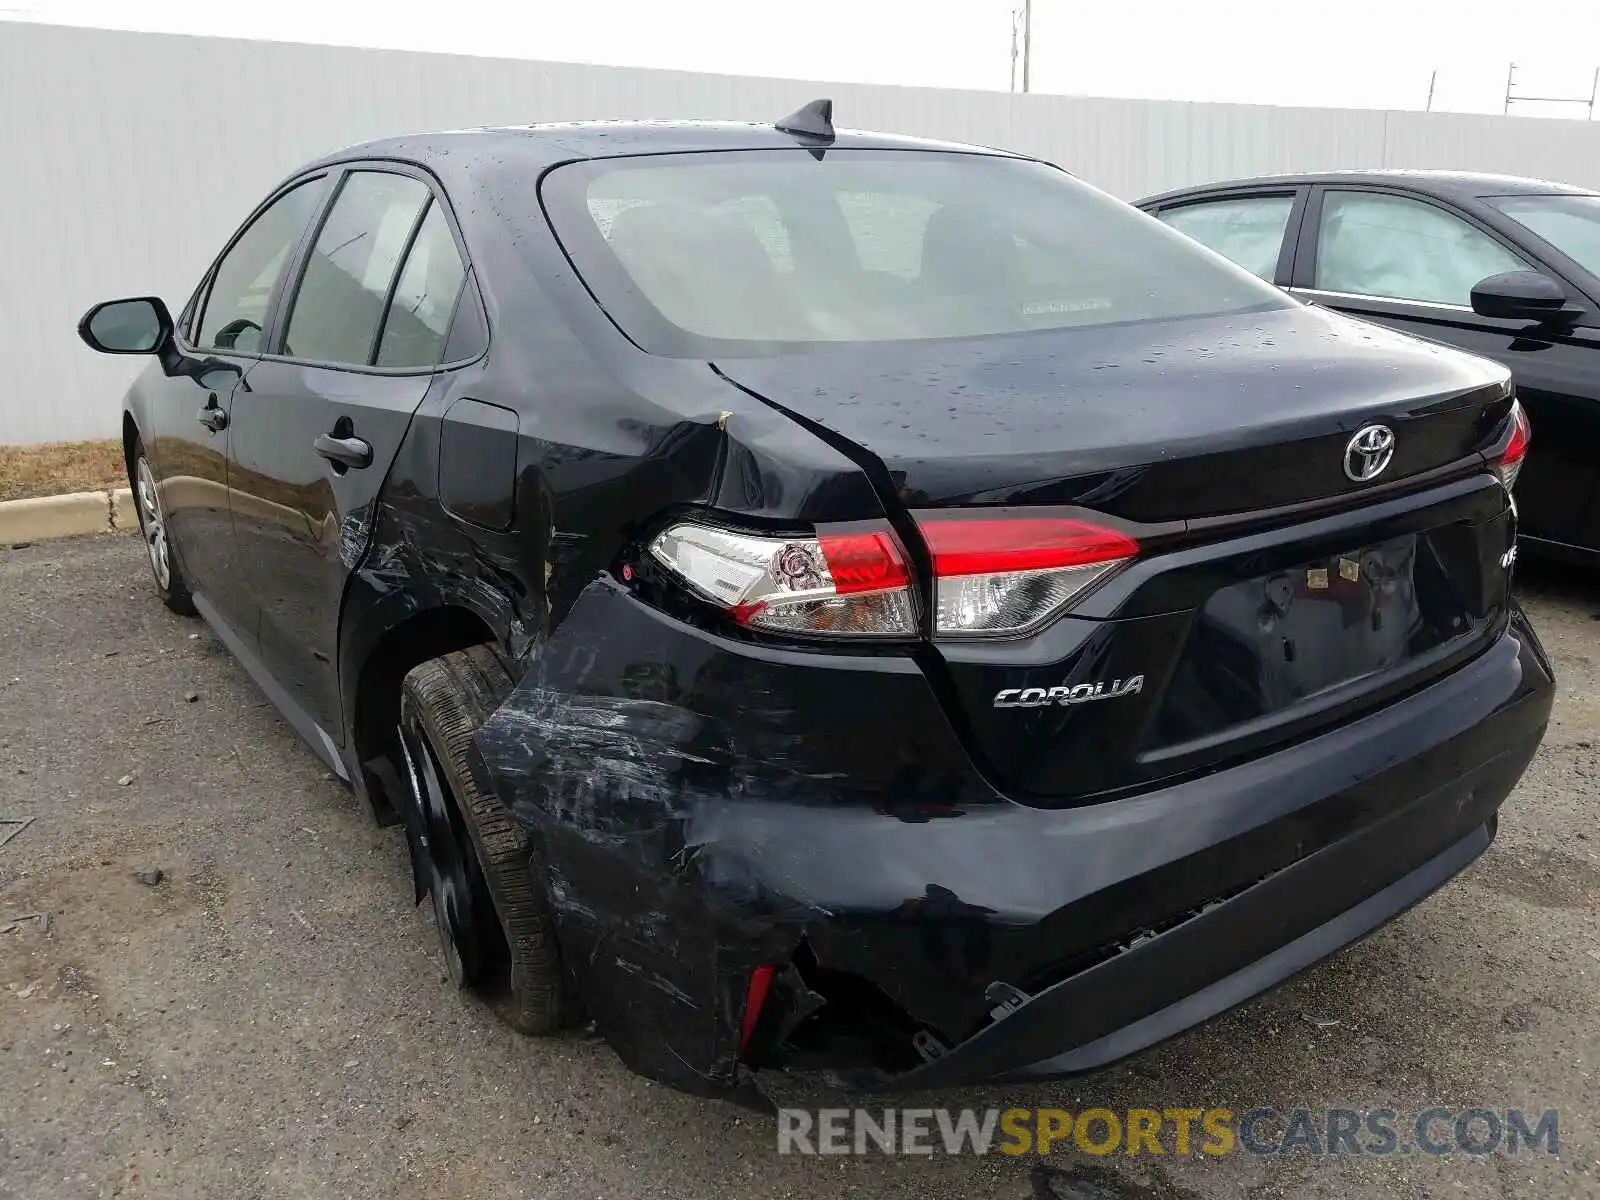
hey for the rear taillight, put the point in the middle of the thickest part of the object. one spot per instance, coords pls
(1002, 575)
(997, 573)
(1510, 464)
(848, 582)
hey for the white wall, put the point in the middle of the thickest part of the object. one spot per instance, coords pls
(127, 158)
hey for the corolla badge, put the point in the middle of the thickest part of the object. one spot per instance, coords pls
(1369, 453)
(1083, 693)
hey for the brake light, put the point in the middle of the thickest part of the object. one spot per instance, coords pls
(1510, 464)
(1002, 574)
(851, 582)
(997, 573)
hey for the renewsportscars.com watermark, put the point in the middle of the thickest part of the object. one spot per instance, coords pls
(1176, 1131)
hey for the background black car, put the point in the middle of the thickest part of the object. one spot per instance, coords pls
(1505, 267)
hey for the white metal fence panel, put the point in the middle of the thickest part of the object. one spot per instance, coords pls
(128, 158)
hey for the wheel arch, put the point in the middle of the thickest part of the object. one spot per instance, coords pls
(130, 438)
(374, 698)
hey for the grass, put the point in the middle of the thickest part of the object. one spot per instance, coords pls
(57, 467)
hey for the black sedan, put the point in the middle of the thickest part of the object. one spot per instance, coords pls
(1504, 267)
(834, 600)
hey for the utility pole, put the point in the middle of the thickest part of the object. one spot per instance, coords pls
(1432, 79)
(1014, 23)
(1027, 41)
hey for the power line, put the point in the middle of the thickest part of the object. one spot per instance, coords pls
(1587, 101)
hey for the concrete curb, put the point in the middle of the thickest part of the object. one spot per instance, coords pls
(45, 517)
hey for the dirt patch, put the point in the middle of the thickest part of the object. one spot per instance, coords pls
(1547, 877)
(59, 467)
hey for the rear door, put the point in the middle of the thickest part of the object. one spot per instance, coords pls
(352, 351)
(1411, 262)
(1252, 228)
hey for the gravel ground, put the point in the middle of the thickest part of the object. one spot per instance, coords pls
(271, 1019)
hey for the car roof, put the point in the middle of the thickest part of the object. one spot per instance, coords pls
(1454, 185)
(563, 142)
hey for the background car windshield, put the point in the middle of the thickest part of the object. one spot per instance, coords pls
(761, 252)
(1569, 223)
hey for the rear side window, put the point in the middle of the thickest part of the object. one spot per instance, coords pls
(768, 252)
(1248, 230)
(1370, 244)
(418, 321)
(241, 288)
(341, 298)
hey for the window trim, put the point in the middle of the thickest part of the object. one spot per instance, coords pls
(402, 264)
(1305, 268)
(283, 301)
(1283, 271)
(200, 299)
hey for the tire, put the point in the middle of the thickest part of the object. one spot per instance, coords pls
(445, 700)
(170, 583)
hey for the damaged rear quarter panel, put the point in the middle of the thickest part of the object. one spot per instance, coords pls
(668, 783)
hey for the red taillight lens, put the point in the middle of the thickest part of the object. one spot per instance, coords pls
(755, 997)
(1001, 575)
(842, 583)
(863, 562)
(1510, 464)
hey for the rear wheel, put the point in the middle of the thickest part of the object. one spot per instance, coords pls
(170, 583)
(494, 928)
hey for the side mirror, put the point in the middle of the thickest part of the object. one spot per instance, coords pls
(138, 326)
(1522, 296)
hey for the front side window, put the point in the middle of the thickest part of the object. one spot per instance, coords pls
(1377, 245)
(341, 296)
(1248, 230)
(241, 288)
(767, 252)
(1569, 223)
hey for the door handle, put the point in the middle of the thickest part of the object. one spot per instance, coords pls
(212, 417)
(344, 451)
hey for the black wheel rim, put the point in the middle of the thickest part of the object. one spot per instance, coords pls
(445, 859)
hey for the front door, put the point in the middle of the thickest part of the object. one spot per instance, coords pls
(188, 437)
(1411, 264)
(353, 352)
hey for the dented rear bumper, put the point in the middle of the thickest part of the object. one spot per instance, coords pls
(700, 808)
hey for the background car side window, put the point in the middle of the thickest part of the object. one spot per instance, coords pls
(1248, 230)
(341, 295)
(1376, 245)
(241, 288)
(418, 320)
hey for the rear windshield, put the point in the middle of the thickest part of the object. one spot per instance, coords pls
(748, 253)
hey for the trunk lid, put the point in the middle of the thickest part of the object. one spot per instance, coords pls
(1273, 595)
(1151, 422)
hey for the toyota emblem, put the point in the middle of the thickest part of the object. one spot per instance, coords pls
(1369, 453)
